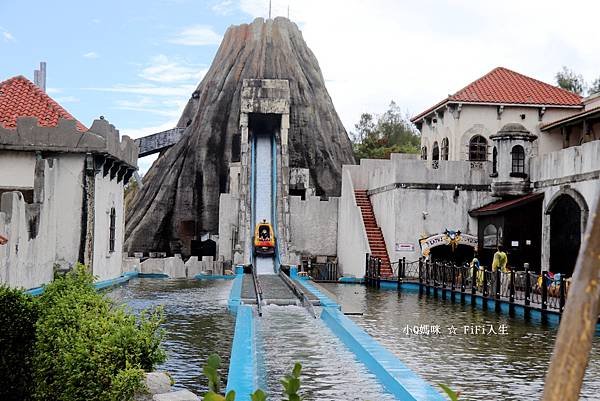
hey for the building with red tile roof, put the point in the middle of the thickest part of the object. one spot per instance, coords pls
(459, 126)
(19, 97)
(61, 188)
(507, 87)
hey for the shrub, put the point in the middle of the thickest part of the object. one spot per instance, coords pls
(89, 349)
(18, 314)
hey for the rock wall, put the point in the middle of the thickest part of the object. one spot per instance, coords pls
(180, 199)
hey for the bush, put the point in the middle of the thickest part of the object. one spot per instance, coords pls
(18, 314)
(88, 349)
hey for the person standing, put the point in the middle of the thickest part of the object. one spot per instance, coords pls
(501, 262)
(476, 267)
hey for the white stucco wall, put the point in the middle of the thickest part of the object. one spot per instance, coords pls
(66, 202)
(399, 211)
(313, 225)
(228, 220)
(29, 263)
(483, 120)
(352, 243)
(108, 194)
(572, 169)
(16, 169)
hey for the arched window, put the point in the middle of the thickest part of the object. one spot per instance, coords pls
(424, 153)
(445, 146)
(518, 159)
(436, 152)
(478, 148)
(490, 236)
(495, 161)
(111, 230)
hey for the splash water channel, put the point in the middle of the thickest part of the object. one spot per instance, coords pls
(485, 367)
(199, 324)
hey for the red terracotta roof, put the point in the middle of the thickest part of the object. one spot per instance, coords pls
(19, 97)
(506, 204)
(503, 86)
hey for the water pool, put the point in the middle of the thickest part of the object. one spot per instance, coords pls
(197, 323)
(483, 367)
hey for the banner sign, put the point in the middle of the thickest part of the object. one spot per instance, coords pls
(452, 238)
(405, 247)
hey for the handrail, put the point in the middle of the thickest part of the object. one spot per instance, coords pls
(258, 291)
(299, 293)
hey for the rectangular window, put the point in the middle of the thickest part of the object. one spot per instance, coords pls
(111, 230)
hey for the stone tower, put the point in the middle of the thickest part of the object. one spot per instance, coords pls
(511, 155)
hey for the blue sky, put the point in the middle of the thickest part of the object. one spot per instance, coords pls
(137, 62)
(130, 61)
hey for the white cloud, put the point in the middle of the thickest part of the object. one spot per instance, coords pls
(197, 35)
(165, 107)
(52, 91)
(418, 52)
(91, 55)
(8, 37)
(223, 7)
(165, 70)
(146, 89)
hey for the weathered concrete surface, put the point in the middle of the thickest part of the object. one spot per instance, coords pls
(313, 225)
(206, 265)
(155, 143)
(180, 199)
(173, 266)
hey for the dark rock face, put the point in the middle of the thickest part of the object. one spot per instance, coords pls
(180, 198)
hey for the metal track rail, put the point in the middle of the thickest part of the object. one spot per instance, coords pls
(299, 293)
(257, 290)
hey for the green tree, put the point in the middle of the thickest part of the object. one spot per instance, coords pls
(571, 81)
(595, 87)
(377, 136)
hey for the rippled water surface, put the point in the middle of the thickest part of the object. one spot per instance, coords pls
(484, 367)
(287, 334)
(197, 323)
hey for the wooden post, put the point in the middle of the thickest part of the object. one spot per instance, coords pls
(399, 279)
(444, 278)
(452, 284)
(511, 297)
(544, 291)
(463, 283)
(427, 275)
(578, 324)
(378, 278)
(420, 276)
(527, 286)
(563, 293)
(484, 290)
(498, 278)
(367, 269)
(474, 285)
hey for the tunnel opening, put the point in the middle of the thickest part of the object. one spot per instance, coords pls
(264, 123)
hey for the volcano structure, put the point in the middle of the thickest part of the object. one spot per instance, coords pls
(180, 197)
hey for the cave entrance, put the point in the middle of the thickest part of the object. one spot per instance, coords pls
(565, 235)
(264, 123)
(204, 248)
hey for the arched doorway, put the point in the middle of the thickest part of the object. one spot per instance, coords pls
(436, 152)
(565, 234)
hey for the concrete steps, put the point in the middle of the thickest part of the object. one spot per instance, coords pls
(374, 234)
